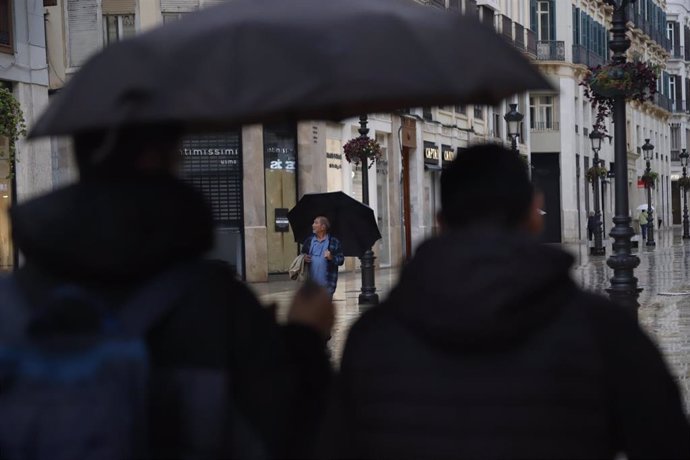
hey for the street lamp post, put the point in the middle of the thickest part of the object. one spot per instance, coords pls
(648, 150)
(686, 222)
(598, 249)
(623, 288)
(514, 120)
(368, 293)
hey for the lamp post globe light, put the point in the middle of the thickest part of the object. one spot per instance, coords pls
(514, 120)
(623, 287)
(686, 222)
(598, 249)
(368, 293)
(647, 150)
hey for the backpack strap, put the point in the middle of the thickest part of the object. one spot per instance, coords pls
(150, 303)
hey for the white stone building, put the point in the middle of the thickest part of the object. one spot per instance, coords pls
(24, 72)
(678, 34)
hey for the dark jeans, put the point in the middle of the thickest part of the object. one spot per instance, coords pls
(643, 229)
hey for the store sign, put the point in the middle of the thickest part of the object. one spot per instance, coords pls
(280, 148)
(431, 153)
(448, 155)
(212, 163)
(282, 225)
(640, 183)
(335, 160)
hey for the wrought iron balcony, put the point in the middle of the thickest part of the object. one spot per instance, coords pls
(550, 50)
(581, 55)
(664, 102)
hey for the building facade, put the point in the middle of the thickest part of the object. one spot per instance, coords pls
(24, 72)
(678, 34)
(572, 36)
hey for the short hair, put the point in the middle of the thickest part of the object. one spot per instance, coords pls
(486, 185)
(324, 221)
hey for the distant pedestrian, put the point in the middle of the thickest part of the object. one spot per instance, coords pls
(644, 221)
(324, 255)
(591, 225)
(486, 347)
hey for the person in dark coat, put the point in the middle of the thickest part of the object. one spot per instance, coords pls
(128, 219)
(591, 225)
(486, 348)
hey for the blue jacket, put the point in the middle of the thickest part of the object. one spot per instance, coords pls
(338, 259)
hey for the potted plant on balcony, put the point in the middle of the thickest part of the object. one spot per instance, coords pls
(649, 179)
(594, 172)
(361, 149)
(12, 125)
(636, 81)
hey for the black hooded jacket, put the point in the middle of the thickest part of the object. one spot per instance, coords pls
(486, 349)
(113, 236)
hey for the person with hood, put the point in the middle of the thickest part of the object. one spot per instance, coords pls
(486, 348)
(217, 356)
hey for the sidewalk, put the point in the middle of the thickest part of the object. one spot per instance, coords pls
(664, 302)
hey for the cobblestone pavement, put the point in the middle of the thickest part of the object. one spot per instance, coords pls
(664, 303)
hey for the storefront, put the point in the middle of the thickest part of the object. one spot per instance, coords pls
(213, 164)
(280, 167)
(432, 185)
(7, 255)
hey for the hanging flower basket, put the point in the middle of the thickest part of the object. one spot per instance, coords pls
(12, 125)
(684, 182)
(595, 171)
(636, 81)
(649, 179)
(361, 149)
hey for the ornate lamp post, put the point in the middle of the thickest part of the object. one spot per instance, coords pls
(623, 288)
(514, 121)
(686, 222)
(648, 150)
(598, 249)
(368, 294)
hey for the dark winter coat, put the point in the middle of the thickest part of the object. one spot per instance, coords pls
(487, 349)
(115, 236)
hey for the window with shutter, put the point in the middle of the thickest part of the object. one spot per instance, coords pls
(179, 6)
(6, 44)
(84, 33)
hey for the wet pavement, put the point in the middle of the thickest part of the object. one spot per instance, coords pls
(664, 303)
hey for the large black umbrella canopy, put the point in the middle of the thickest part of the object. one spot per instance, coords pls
(251, 61)
(352, 222)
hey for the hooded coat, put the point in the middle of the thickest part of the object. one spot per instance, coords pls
(111, 237)
(486, 349)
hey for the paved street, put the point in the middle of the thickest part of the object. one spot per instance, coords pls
(665, 301)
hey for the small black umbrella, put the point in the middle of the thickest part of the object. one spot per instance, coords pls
(352, 222)
(251, 61)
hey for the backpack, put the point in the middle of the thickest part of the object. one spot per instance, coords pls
(78, 395)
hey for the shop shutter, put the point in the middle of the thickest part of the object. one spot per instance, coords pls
(207, 3)
(84, 34)
(118, 6)
(179, 6)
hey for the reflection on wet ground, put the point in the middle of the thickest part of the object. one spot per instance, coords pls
(664, 303)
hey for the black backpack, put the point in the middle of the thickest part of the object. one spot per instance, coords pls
(85, 395)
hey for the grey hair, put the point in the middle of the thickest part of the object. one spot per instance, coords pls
(324, 220)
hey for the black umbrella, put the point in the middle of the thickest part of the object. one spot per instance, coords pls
(352, 222)
(266, 60)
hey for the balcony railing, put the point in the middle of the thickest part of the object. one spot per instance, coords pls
(537, 126)
(531, 43)
(551, 50)
(506, 27)
(677, 52)
(582, 55)
(664, 102)
(519, 36)
(679, 106)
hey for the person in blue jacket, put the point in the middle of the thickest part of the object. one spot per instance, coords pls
(324, 254)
